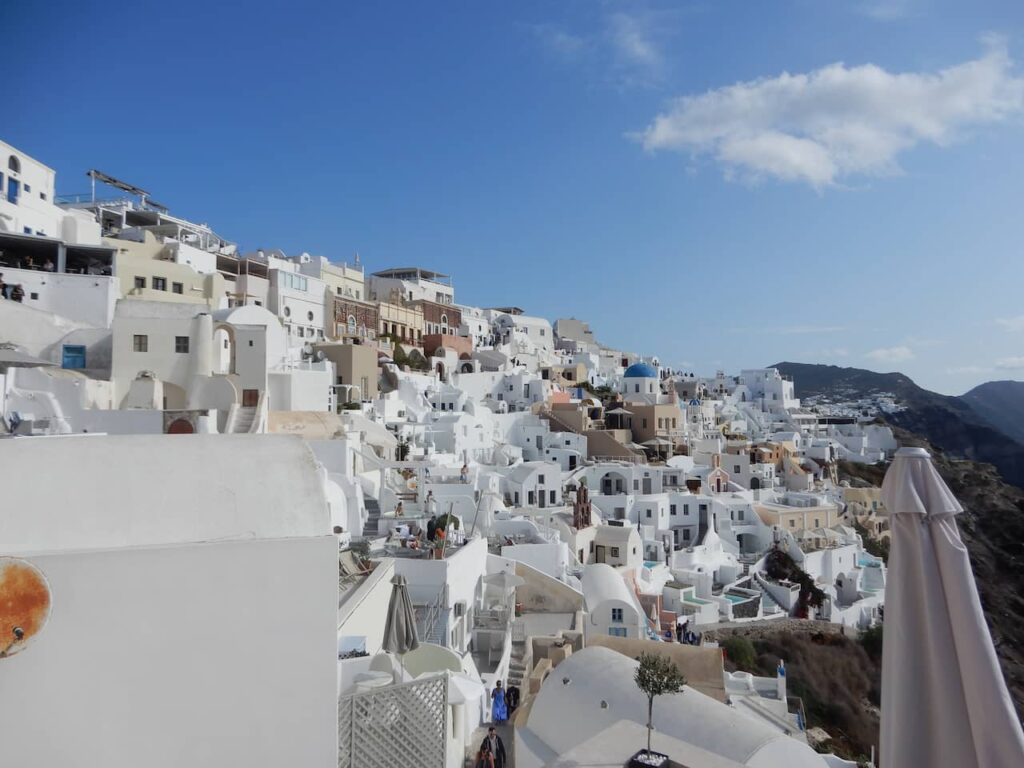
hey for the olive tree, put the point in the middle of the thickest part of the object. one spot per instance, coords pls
(657, 675)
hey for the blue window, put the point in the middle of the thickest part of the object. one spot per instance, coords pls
(617, 615)
(74, 356)
(617, 631)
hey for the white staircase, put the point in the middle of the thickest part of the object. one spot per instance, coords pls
(244, 419)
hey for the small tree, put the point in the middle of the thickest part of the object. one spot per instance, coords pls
(655, 676)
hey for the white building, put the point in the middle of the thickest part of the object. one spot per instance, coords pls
(407, 284)
(612, 608)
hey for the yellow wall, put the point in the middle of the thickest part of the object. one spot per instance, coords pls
(133, 260)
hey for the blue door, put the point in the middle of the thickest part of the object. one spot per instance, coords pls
(12, 190)
(74, 356)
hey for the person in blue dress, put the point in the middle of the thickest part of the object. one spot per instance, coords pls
(499, 711)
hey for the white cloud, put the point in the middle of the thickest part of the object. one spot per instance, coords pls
(1012, 323)
(624, 49)
(836, 352)
(891, 354)
(1010, 363)
(885, 10)
(837, 121)
(558, 41)
(636, 54)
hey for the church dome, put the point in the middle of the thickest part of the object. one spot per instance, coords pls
(641, 371)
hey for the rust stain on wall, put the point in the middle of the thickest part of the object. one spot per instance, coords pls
(24, 604)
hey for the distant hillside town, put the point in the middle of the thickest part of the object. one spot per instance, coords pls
(248, 453)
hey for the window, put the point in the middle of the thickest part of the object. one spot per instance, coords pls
(258, 303)
(540, 479)
(817, 522)
(617, 631)
(591, 547)
(617, 615)
(792, 523)
(293, 281)
(42, 195)
(14, 164)
(287, 311)
(309, 316)
(28, 187)
(736, 468)
(739, 515)
(686, 534)
(181, 344)
(551, 496)
(159, 283)
(140, 343)
(34, 296)
(648, 513)
(614, 551)
(177, 288)
(672, 509)
(28, 230)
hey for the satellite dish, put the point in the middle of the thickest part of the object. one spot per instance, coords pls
(25, 608)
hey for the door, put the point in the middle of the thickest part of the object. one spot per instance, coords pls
(12, 190)
(599, 554)
(572, 463)
(250, 398)
(73, 356)
(647, 485)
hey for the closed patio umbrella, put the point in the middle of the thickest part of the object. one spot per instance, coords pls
(504, 580)
(400, 627)
(944, 700)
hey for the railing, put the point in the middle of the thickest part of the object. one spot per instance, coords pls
(428, 621)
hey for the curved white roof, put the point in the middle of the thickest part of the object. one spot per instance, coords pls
(98, 492)
(601, 582)
(568, 711)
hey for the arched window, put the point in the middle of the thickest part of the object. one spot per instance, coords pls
(14, 164)
(287, 311)
(309, 316)
(351, 323)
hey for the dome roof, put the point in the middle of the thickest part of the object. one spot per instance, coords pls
(641, 371)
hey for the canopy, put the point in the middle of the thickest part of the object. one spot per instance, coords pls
(619, 412)
(944, 700)
(11, 357)
(657, 441)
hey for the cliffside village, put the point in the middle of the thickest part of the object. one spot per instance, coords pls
(242, 451)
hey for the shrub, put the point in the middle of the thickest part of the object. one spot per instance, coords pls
(740, 652)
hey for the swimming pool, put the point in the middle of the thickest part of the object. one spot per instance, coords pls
(649, 564)
(736, 598)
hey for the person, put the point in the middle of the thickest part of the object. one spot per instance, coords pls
(399, 510)
(464, 473)
(485, 758)
(513, 698)
(17, 293)
(494, 745)
(681, 626)
(430, 505)
(48, 266)
(499, 712)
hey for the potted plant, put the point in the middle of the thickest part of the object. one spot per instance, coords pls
(656, 675)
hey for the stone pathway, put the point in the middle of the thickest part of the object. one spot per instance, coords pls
(504, 731)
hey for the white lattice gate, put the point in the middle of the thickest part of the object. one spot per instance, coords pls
(402, 725)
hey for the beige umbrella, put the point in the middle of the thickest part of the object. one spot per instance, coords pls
(400, 626)
(944, 700)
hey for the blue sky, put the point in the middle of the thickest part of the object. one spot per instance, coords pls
(724, 184)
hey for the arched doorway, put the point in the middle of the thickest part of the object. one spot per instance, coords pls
(224, 348)
(755, 483)
(180, 427)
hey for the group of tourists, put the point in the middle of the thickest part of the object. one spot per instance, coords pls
(492, 751)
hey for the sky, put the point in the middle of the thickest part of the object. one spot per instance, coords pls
(723, 184)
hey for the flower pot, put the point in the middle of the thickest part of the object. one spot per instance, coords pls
(645, 759)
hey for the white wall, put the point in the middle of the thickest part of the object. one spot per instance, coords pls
(87, 299)
(204, 655)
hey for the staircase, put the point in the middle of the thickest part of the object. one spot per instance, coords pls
(373, 515)
(244, 418)
(517, 672)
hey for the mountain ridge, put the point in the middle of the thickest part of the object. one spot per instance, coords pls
(952, 423)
